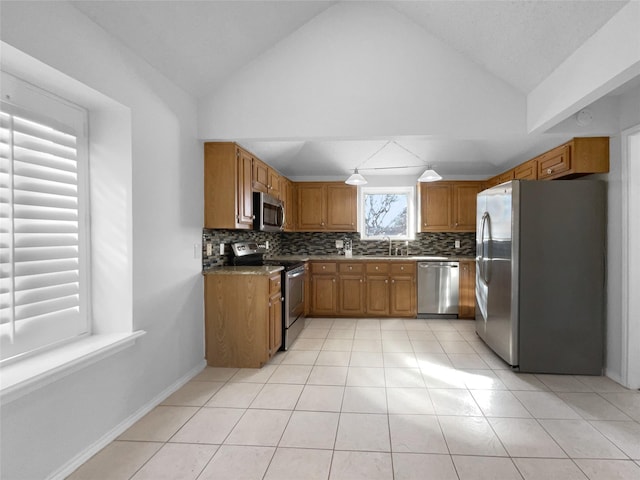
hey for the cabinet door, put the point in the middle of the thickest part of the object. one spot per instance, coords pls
(311, 207)
(377, 294)
(554, 162)
(526, 171)
(351, 293)
(467, 298)
(464, 206)
(324, 295)
(341, 208)
(289, 198)
(506, 177)
(435, 207)
(402, 296)
(260, 176)
(244, 213)
(274, 184)
(275, 323)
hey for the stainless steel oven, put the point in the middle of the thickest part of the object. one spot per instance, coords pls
(294, 301)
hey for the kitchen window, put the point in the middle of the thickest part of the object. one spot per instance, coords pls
(44, 294)
(387, 212)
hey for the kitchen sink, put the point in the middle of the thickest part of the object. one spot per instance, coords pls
(405, 257)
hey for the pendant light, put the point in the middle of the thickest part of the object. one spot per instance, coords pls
(429, 175)
(356, 179)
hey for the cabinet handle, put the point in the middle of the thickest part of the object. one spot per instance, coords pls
(322, 223)
(549, 171)
(333, 280)
(386, 281)
(350, 268)
(376, 268)
(360, 280)
(402, 268)
(323, 267)
(253, 217)
(282, 299)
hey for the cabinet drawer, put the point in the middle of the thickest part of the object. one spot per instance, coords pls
(403, 268)
(377, 267)
(275, 283)
(351, 267)
(554, 162)
(323, 267)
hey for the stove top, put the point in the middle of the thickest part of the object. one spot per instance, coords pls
(250, 253)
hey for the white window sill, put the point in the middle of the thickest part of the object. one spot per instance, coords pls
(25, 376)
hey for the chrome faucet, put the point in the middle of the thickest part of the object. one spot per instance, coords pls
(388, 238)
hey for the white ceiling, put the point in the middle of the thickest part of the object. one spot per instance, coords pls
(200, 45)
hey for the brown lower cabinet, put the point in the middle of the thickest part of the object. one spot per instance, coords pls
(364, 288)
(467, 293)
(243, 319)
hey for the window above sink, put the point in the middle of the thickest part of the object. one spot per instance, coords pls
(387, 213)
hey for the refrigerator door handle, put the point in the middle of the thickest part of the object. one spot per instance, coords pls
(485, 271)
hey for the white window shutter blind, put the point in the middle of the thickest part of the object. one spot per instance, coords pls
(42, 267)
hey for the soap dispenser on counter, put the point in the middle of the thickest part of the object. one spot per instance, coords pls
(348, 253)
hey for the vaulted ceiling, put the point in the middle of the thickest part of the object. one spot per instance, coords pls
(317, 88)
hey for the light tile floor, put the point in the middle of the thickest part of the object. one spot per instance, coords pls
(382, 399)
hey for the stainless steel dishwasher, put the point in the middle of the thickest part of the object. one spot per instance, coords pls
(438, 288)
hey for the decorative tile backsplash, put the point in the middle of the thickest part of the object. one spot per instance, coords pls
(320, 243)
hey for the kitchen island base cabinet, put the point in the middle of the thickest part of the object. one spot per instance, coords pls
(363, 289)
(402, 290)
(243, 319)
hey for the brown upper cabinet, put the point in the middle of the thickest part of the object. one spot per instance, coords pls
(288, 196)
(228, 201)
(579, 156)
(526, 171)
(231, 175)
(265, 179)
(498, 179)
(448, 206)
(326, 206)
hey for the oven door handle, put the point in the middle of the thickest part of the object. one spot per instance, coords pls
(295, 274)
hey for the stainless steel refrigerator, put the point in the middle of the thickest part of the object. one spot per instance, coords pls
(540, 274)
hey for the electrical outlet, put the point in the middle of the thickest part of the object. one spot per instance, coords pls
(222, 249)
(266, 245)
(457, 243)
(209, 250)
(339, 243)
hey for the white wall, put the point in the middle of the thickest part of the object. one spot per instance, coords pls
(361, 71)
(44, 431)
(608, 59)
(611, 116)
(631, 369)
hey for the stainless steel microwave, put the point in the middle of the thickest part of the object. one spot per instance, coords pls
(268, 211)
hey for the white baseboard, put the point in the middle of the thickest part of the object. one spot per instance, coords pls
(68, 468)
